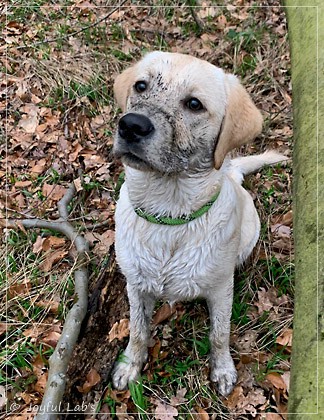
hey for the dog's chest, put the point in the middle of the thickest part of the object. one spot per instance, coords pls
(172, 262)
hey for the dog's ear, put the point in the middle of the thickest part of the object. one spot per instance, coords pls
(122, 86)
(242, 121)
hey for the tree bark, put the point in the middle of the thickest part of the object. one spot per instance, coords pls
(306, 37)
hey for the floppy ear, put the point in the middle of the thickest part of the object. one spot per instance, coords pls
(122, 87)
(242, 121)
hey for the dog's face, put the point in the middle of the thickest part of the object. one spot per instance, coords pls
(180, 114)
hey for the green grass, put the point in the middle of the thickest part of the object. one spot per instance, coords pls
(201, 345)
(281, 276)
(21, 11)
(239, 311)
(273, 365)
(111, 404)
(184, 363)
(18, 306)
(95, 91)
(140, 400)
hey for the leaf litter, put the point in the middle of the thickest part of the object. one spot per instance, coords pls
(60, 116)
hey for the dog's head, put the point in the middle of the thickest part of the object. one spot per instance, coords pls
(181, 113)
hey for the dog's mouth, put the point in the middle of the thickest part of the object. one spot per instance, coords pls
(135, 162)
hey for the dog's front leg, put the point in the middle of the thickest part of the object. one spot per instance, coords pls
(222, 369)
(128, 368)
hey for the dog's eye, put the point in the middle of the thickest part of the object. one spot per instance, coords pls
(194, 104)
(140, 86)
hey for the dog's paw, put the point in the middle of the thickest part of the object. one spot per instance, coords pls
(125, 372)
(225, 378)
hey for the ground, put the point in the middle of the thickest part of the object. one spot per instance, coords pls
(58, 63)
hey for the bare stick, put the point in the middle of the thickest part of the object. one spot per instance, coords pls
(197, 19)
(58, 362)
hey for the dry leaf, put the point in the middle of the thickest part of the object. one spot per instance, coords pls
(52, 305)
(23, 184)
(179, 398)
(92, 379)
(51, 259)
(163, 313)
(222, 21)
(20, 289)
(283, 244)
(200, 414)
(41, 383)
(247, 341)
(264, 303)
(78, 184)
(232, 401)
(73, 155)
(52, 242)
(281, 231)
(249, 403)
(30, 122)
(118, 396)
(3, 327)
(121, 412)
(164, 411)
(54, 192)
(119, 330)
(38, 167)
(38, 244)
(108, 238)
(32, 332)
(276, 380)
(269, 301)
(286, 378)
(105, 241)
(19, 201)
(51, 339)
(253, 402)
(39, 369)
(91, 238)
(285, 338)
(287, 218)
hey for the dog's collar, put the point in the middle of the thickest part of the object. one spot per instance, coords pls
(185, 218)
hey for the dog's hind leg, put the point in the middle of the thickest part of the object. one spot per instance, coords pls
(222, 369)
(128, 368)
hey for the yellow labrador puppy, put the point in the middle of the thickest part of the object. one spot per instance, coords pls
(183, 220)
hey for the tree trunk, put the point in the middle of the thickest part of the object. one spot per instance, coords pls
(306, 37)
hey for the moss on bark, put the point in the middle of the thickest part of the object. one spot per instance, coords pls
(306, 37)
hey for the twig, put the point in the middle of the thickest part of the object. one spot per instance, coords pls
(47, 41)
(62, 205)
(58, 362)
(96, 226)
(197, 19)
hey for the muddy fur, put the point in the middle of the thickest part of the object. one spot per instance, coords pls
(172, 171)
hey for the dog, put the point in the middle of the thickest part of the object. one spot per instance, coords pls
(183, 220)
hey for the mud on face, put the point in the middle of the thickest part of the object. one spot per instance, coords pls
(181, 108)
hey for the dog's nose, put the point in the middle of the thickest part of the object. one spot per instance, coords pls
(134, 127)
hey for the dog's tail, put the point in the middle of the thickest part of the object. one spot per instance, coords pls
(248, 164)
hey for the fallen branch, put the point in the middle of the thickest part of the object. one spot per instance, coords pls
(198, 21)
(58, 362)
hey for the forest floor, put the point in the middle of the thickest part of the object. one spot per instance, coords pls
(58, 61)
